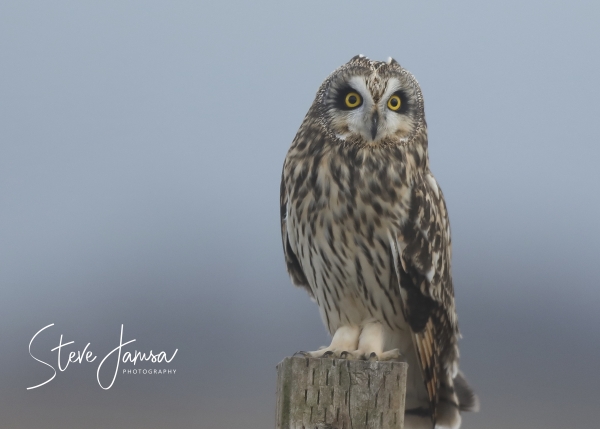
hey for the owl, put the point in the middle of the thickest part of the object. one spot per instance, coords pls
(365, 231)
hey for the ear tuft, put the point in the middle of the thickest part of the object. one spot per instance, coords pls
(392, 62)
(358, 58)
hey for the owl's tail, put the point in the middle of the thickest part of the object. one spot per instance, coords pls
(456, 396)
(467, 399)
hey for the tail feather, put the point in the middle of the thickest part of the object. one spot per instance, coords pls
(467, 399)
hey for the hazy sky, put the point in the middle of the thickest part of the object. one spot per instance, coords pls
(141, 146)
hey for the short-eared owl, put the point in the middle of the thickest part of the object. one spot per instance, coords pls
(365, 231)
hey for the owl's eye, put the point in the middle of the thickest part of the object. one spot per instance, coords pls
(353, 100)
(394, 103)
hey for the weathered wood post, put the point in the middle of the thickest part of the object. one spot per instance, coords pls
(340, 394)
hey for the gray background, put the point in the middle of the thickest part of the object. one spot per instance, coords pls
(140, 157)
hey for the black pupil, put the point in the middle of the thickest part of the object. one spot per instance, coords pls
(394, 102)
(352, 99)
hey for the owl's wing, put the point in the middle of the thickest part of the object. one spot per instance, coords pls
(293, 264)
(422, 253)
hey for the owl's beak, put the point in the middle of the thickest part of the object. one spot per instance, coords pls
(374, 122)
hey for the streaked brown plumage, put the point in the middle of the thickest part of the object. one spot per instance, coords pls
(365, 230)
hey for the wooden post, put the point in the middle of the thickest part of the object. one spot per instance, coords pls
(340, 394)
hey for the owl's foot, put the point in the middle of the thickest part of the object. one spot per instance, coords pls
(390, 355)
(344, 340)
(356, 343)
(324, 353)
(328, 353)
(393, 355)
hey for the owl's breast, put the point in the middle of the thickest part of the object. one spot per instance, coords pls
(340, 219)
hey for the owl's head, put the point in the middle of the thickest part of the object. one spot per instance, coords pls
(371, 103)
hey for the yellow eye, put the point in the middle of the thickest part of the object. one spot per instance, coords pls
(394, 103)
(353, 100)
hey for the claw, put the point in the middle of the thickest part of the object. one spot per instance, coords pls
(327, 354)
(373, 357)
(352, 355)
(344, 355)
(301, 353)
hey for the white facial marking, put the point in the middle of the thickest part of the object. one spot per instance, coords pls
(393, 123)
(358, 120)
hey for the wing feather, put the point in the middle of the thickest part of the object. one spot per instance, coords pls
(423, 270)
(292, 262)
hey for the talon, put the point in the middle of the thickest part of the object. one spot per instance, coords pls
(373, 356)
(301, 353)
(344, 355)
(327, 354)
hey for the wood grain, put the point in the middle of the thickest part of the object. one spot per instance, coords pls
(340, 394)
